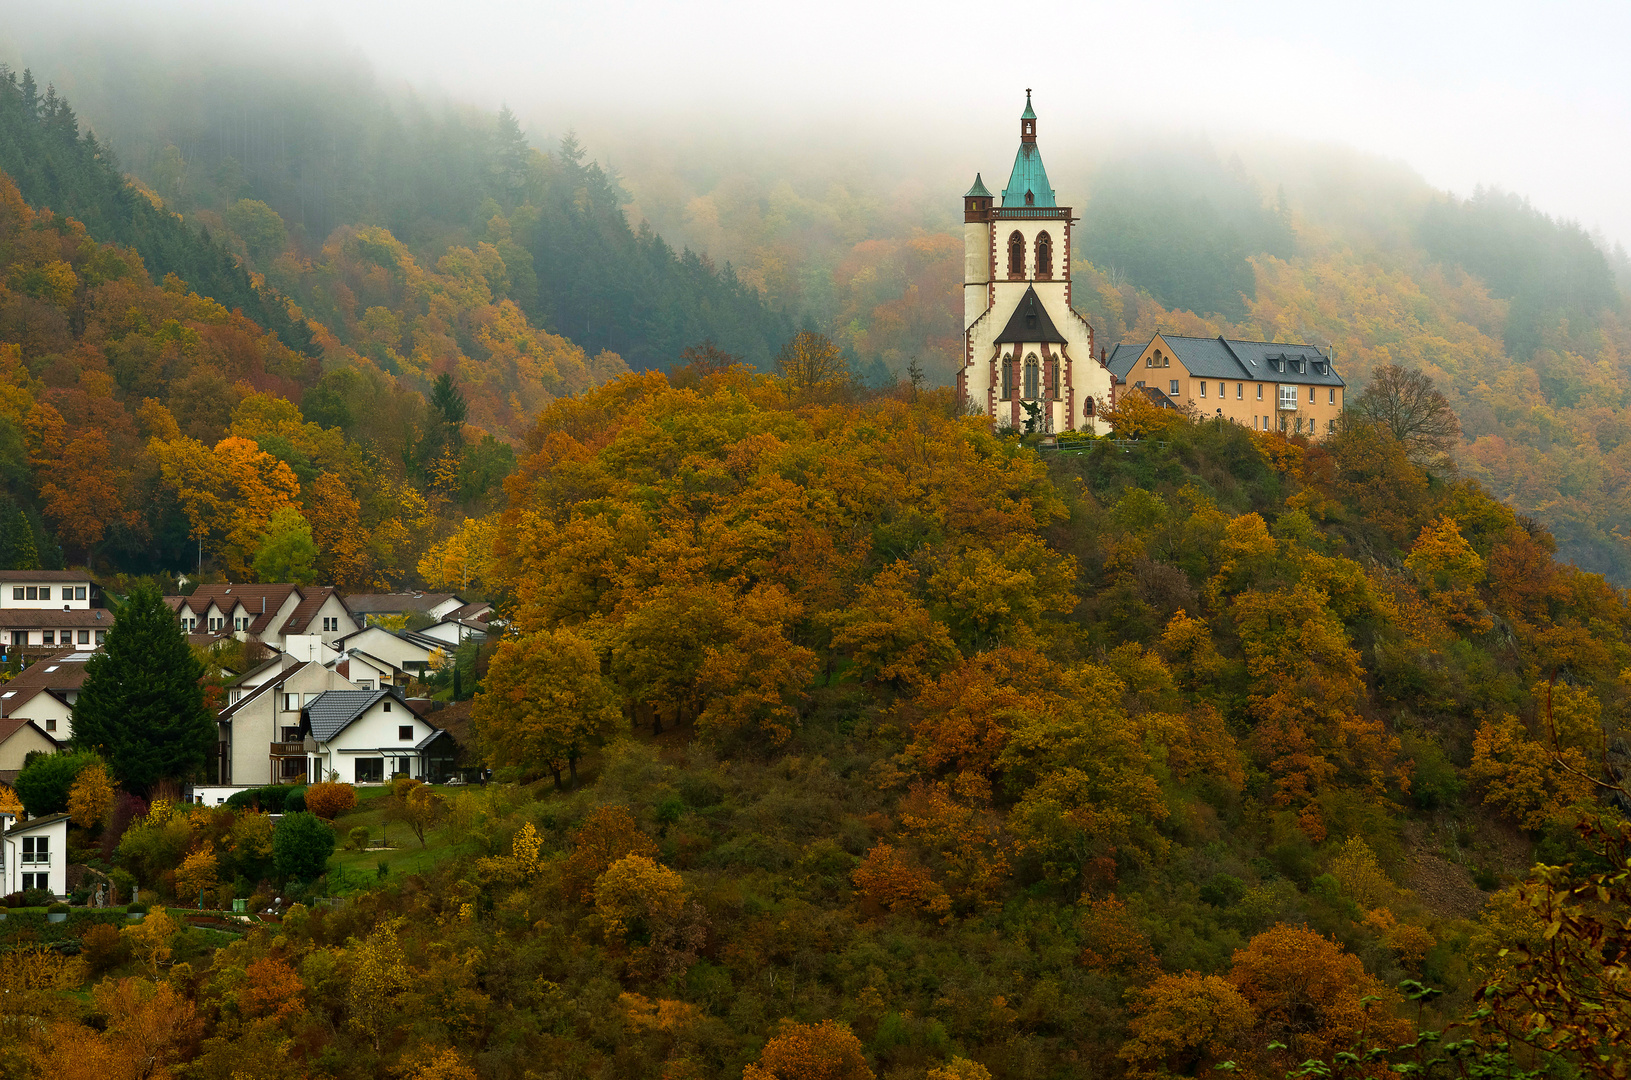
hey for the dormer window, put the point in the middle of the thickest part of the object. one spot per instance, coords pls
(1030, 197)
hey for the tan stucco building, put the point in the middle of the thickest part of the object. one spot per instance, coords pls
(1263, 385)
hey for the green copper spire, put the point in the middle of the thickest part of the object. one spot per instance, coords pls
(1028, 183)
(1027, 114)
(978, 190)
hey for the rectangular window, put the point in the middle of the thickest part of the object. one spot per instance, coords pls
(1311, 395)
(1299, 425)
(101, 636)
(1240, 391)
(291, 734)
(33, 592)
(370, 770)
(291, 702)
(1173, 388)
(36, 849)
(45, 592)
(1259, 391)
(366, 684)
(1288, 398)
(48, 637)
(17, 593)
(292, 767)
(1331, 396)
(387, 706)
(404, 733)
(1330, 426)
(79, 592)
(1203, 388)
(36, 881)
(307, 699)
(50, 724)
(84, 637)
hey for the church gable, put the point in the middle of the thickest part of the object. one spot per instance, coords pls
(1030, 323)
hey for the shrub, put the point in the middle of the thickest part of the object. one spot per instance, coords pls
(58, 909)
(103, 948)
(357, 838)
(136, 907)
(328, 800)
(296, 800)
(124, 884)
(302, 844)
(402, 785)
(45, 782)
(197, 873)
(30, 898)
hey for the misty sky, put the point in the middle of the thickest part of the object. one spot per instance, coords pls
(1535, 98)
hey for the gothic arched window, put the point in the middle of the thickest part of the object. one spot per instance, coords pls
(1033, 378)
(1016, 255)
(1053, 381)
(1044, 255)
(1087, 408)
(1008, 378)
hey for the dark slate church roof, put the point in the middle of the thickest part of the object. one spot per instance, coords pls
(1030, 323)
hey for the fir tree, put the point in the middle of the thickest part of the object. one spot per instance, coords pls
(142, 707)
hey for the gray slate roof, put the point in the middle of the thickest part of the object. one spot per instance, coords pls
(334, 710)
(1255, 361)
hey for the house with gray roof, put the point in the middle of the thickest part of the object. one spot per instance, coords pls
(1264, 385)
(371, 736)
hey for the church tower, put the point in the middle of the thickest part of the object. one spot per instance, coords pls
(1028, 359)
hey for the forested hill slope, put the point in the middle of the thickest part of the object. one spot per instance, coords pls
(331, 150)
(55, 165)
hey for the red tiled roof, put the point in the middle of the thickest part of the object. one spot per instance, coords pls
(261, 601)
(10, 727)
(55, 672)
(43, 575)
(312, 597)
(46, 617)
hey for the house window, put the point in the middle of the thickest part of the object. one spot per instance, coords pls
(1331, 396)
(370, 770)
(1288, 398)
(17, 593)
(33, 592)
(1299, 425)
(79, 592)
(1240, 391)
(331, 624)
(1311, 395)
(1254, 422)
(1259, 391)
(1044, 255)
(1172, 388)
(291, 702)
(290, 768)
(37, 849)
(240, 623)
(1016, 255)
(307, 699)
(1330, 426)
(50, 724)
(84, 637)
(387, 706)
(1007, 378)
(366, 684)
(49, 637)
(45, 592)
(1203, 388)
(405, 733)
(291, 734)
(36, 881)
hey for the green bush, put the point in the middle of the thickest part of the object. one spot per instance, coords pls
(357, 838)
(58, 909)
(296, 800)
(44, 782)
(301, 845)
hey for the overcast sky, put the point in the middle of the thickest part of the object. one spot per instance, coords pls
(1533, 97)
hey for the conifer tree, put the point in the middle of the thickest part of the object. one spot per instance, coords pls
(142, 707)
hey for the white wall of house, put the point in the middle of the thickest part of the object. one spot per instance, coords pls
(332, 622)
(376, 745)
(22, 742)
(54, 595)
(35, 855)
(49, 713)
(384, 645)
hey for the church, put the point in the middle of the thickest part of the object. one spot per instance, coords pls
(1028, 356)
(1029, 361)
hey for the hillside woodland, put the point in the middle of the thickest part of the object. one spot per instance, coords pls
(848, 739)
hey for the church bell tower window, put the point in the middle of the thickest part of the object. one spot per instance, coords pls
(1044, 255)
(1033, 378)
(1016, 255)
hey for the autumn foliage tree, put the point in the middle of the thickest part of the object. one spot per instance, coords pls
(545, 703)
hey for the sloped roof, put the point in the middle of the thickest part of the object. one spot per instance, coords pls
(468, 611)
(101, 618)
(1030, 322)
(334, 710)
(312, 599)
(396, 603)
(1156, 395)
(11, 726)
(435, 733)
(35, 823)
(261, 601)
(1028, 175)
(1123, 357)
(44, 575)
(64, 670)
(254, 694)
(978, 190)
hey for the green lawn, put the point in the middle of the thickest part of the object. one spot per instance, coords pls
(350, 871)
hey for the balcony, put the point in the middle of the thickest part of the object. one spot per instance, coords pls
(288, 749)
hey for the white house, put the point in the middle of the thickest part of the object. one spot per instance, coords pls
(49, 609)
(369, 672)
(45, 692)
(260, 738)
(1028, 360)
(369, 736)
(265, 613)
(405, 651)
(34, 854)
(454, 632)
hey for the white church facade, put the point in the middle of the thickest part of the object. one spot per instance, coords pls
(1028, 356)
